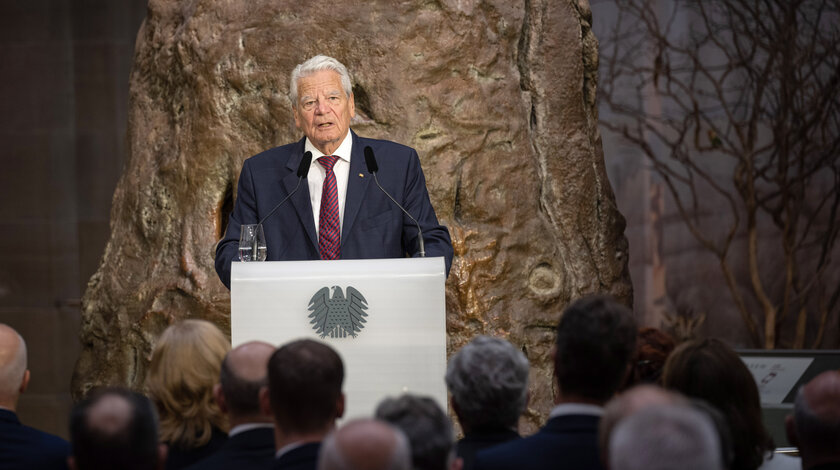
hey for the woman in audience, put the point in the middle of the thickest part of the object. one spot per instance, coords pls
(712, 371)
(185, 366)
(652, 349)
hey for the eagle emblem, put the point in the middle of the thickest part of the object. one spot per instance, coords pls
(338, 316)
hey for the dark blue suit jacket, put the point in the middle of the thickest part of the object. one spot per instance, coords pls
(252, 449)
(373, 226)
(304, 457)
(565, 442)
(25, 448)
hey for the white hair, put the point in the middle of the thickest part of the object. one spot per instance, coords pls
(316, 64)
(488, 379)
(663, 438)
(12, 367)
(331, 455)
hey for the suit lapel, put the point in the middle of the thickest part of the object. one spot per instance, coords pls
(356, 185)
(300, 200)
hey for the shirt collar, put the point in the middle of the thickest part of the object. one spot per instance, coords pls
(343, 151)
(576, 409)
(248, 427)
(288, 447)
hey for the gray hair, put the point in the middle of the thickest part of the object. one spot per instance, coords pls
(316, 64)
(488, 379)
(818, 434)
(13, 370)
(333, 457)
(663, 438)
(427, 427)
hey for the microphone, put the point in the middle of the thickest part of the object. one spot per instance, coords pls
(302, 171)
(372, 167)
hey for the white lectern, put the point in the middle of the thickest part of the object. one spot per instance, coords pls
(401, 345)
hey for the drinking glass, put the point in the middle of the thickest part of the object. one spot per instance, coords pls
(252, 243)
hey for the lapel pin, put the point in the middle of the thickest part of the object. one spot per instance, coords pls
(361, 175)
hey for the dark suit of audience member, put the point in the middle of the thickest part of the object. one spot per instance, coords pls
(22, 447)
(595, 342)
(115, 429)
(428, 429)
(250, 443)
(815, 425)
(488, 380)
(304, 398)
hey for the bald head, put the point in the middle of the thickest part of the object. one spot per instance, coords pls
(365, 444)
(13, 373)
(244, 371)
(815, 425)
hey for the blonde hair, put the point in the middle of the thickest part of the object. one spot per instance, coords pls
(185, 366)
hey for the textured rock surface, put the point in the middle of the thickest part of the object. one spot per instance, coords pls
(497, 97)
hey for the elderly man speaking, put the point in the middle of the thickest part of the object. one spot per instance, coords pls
(339, 214)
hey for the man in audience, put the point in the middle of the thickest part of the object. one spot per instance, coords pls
(250, 443)
(305, 399)
(428, 429)
(115, 429)
(365, 444)
(665, 437)
(595, 342)
(488, 380)
(21, 446)
(815, 424)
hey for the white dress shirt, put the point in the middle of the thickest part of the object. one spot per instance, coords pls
(317, 174)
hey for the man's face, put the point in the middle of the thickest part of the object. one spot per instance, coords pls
(323, 111)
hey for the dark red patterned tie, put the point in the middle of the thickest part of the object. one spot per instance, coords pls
(329, 224)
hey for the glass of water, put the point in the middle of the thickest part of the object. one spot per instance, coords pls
(252, 243)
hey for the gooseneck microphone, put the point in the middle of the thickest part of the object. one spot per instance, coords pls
(302, 171)
(372, 167)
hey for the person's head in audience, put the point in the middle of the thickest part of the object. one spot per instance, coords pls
(244, 372)
(304, 393)
(710, 370)
(115, 429)
(596, 338)
(427, 427)
(365, 444)
(665, 437)
(186, 362)
(628, 403)
(815, 425)
(652, 349)
(14, 376)
(488, 380)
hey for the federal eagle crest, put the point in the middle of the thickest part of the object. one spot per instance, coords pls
(338, 316)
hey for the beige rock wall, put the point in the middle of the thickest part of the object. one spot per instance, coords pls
(498, 98)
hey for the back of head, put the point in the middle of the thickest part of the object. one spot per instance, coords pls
(12, 365)
(114, 429)
(304, 386)
(817, 419)
(365, 444)
(488, 379)
(710, 370)
(596, 338)
(185, 366)
(244, 372)
(665, 437)
(652, 350)
(427, 427)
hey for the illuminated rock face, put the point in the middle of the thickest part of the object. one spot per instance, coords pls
(498, 98)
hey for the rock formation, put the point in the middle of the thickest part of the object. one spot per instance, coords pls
(498, 98)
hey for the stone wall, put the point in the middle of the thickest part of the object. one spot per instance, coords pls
(497, 97)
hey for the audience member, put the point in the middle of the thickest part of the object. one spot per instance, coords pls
(712, 371)
(665, 437)
(652, 349)
(488, 380)
(595, 341)
(629, 403)
(115, 429)
(815, 425)
(250, 443)
(22, 447)
(428, 429)
(305, 399)
(185, 366)
(365, 444)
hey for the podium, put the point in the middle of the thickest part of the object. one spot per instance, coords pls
(399, 347)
